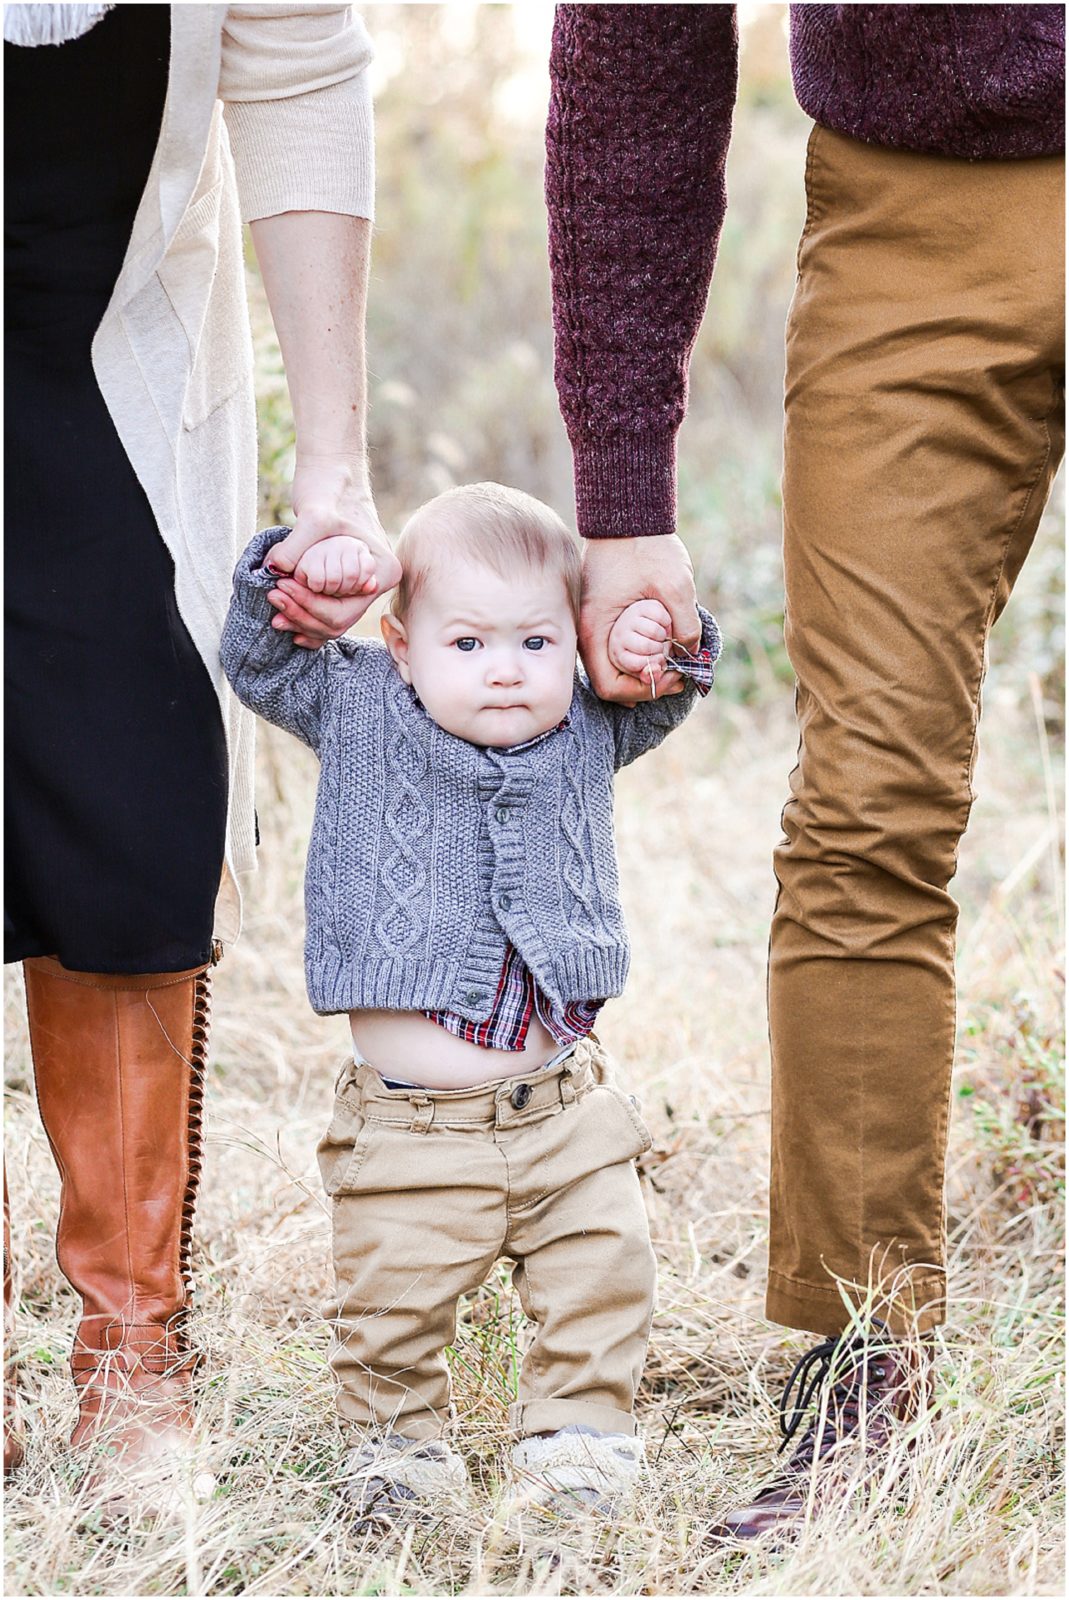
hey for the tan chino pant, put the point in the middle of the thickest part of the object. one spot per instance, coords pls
(429, 1188)
(924, 425)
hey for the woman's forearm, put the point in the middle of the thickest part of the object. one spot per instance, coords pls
(315, 268)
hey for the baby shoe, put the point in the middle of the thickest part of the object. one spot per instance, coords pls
(575, 1471)
(387, 1478)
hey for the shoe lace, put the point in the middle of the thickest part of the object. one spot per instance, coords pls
(844, 1363)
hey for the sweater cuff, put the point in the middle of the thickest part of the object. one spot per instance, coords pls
(625, 486)
(251, 570)
(312, 152)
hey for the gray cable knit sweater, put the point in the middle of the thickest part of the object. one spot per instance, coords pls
(429, 853)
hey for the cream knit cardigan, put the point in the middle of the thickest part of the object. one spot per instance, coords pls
(268, 110)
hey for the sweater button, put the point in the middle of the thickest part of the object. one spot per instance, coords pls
(505, 902)
(472, 997)
(521, 1095)
(502, 813)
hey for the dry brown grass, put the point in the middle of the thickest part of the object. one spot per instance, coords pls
(979, 1513)
(464, 390)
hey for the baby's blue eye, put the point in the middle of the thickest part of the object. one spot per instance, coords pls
(534, 643)
(467, 644)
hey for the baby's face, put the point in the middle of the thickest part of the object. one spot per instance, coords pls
(492, 659)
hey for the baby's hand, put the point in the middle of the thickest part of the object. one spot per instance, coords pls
(639, 640)
(341, 566)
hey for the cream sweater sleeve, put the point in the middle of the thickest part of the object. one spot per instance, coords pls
(297, 100)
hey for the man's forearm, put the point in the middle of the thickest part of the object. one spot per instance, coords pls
(315, 269)
(637, 136)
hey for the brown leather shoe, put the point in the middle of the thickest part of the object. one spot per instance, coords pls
(856, 1390)
(119, 1065)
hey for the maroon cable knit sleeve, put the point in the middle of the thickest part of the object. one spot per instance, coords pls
(639, 121)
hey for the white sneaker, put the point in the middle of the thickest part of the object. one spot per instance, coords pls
(575, 1471)
(388, 1478)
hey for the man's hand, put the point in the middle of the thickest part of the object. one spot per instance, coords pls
(332, 505)
(617, 572)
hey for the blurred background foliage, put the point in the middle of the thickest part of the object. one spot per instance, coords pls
(460, 338)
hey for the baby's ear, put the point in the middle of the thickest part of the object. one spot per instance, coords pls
(393, 632)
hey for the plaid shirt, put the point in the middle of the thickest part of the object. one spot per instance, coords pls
(517, 1000)
(698, 666)
(518, 997)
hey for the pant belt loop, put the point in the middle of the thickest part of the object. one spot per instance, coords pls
(568, 1095)
(423, 1113)
(346, 1070)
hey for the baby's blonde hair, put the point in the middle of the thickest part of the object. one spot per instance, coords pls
(486, 522)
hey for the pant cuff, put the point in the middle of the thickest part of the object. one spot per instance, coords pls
(421, 1425)
(546, 1416)
(915, 1308)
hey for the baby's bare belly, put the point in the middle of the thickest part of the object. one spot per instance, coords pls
(408, 1046)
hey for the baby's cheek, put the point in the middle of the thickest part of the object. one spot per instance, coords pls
(561, 686)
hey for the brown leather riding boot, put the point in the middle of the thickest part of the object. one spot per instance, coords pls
(13, 1448)
(856, 1389)
(119, 1064)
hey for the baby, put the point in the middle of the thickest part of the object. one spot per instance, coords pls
(462, 908)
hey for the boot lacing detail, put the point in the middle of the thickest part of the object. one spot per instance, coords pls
(847, 1363)
(198, 1068)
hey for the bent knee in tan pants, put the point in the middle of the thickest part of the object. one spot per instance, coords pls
(430, 1188)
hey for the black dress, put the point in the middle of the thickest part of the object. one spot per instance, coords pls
(116, 769)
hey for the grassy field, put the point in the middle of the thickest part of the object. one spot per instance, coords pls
(981, 1511)
(463, 391)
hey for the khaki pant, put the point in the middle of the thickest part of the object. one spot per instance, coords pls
(924, 424)
(430, 1188)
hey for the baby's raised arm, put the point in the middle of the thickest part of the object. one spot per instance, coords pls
(640, 643)
(267, 671)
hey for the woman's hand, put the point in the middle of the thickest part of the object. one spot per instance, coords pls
(332, 507)
(315, 268)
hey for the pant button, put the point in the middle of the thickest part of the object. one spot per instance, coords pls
(520, 1095)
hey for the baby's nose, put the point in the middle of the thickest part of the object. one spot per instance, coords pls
(505, 668)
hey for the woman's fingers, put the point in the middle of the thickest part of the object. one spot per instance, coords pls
(317, 617)
(298, 617)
